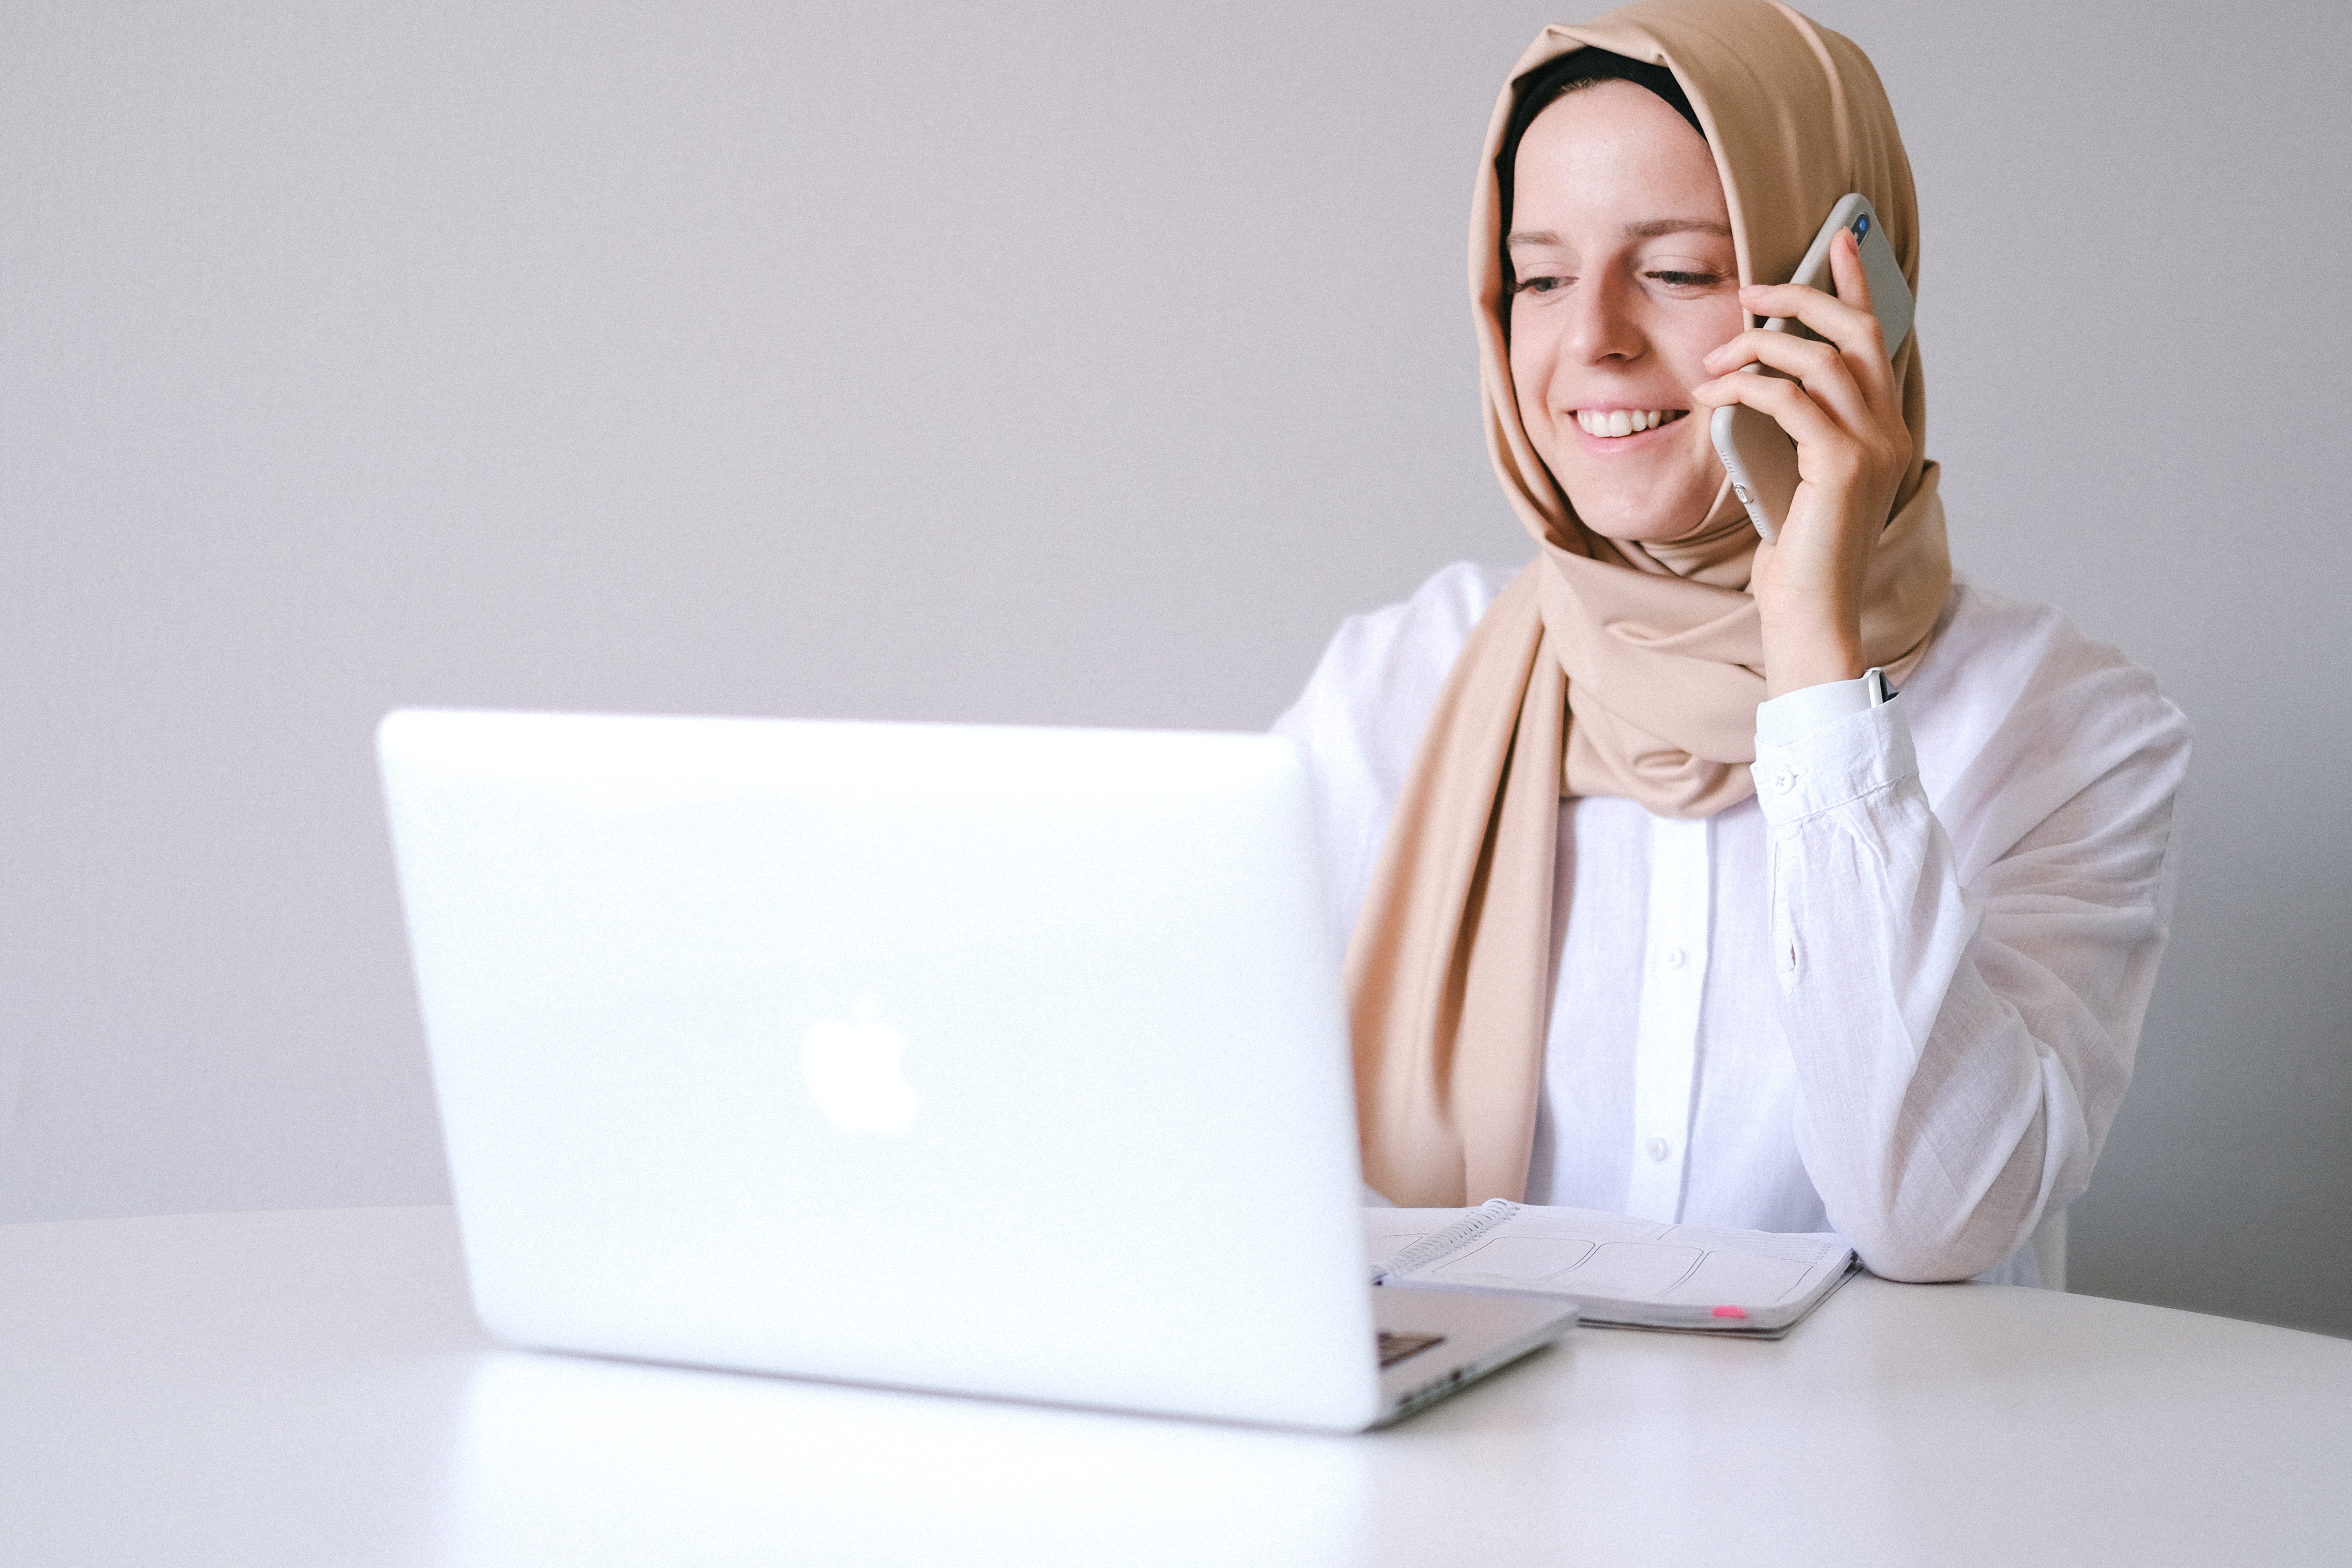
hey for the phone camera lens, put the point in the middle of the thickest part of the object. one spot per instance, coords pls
(1862, 226)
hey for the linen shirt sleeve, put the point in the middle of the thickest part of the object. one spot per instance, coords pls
(1963, 1018)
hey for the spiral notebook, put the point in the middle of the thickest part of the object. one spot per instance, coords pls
(1622, 1271)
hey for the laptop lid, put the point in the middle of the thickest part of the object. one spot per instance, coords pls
(999, 1060)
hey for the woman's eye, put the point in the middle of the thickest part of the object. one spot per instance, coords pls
(1688, 280)
(1539, 285)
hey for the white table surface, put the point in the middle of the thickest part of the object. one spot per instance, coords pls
(310, 1388)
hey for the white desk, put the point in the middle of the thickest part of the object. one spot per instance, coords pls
(309, 1388)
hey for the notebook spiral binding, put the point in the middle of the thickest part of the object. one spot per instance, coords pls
(1484, 1218)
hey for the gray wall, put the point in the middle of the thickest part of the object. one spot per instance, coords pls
(1057, 364)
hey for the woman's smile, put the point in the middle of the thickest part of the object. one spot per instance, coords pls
(1613, 429)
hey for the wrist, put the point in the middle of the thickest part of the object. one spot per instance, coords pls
(1793, 664)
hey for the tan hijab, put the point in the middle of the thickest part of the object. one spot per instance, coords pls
(1606, 668)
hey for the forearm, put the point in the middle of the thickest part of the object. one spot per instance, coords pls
(1956, 1084)
(1937, 1127)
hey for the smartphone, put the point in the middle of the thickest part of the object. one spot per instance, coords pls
(1761, 456)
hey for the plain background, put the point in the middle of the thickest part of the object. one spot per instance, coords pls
(1061, 363)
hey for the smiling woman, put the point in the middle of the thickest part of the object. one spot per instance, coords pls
(1662, 899)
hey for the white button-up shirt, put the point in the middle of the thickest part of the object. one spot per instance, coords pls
(1896, 993)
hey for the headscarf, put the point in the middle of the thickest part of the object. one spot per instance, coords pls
(1608, 667)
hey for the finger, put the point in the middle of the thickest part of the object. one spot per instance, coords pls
(1826, 450)
(1883, 445)
(1856, 332)
(1845, 271)
(1874, 369)
(1845, 319)
(1826, 373)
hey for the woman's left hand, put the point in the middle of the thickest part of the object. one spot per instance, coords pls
(1845, 413)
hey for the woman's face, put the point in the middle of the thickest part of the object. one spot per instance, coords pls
(1621, 243)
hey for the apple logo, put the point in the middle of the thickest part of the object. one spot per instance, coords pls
(854, 1071)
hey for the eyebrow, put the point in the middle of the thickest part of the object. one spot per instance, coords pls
(1654, 228)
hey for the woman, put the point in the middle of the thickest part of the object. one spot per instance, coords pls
(1792, 886)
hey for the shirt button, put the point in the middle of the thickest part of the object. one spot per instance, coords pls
(1784, 781)
(1675, 957)
(1657, 1149)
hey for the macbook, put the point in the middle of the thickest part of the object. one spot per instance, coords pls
(996, 1061)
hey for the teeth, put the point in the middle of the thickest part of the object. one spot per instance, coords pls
(1622, 421)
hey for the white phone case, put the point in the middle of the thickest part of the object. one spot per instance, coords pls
(1759, 455)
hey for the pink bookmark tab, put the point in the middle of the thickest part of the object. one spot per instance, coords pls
(1731, 1311)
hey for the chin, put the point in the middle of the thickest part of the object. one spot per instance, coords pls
(1669, 506)
(1645, 518)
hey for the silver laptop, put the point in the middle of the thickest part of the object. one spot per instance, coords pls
(998, 1061)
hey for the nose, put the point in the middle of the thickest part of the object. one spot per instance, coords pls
(1603, 323)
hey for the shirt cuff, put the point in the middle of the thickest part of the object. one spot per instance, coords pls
(1841, 760)
(1795, 714)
